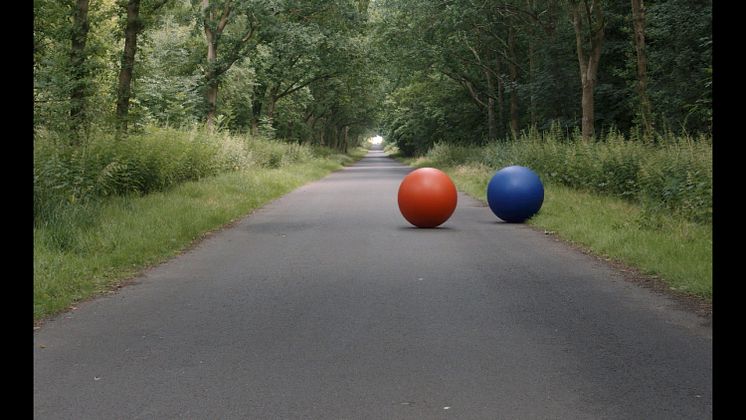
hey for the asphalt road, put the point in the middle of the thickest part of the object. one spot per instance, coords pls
(328, 304)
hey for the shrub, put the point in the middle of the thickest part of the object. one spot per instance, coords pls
(153, 160)
(671, 175)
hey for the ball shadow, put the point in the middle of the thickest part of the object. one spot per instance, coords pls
(432, 229)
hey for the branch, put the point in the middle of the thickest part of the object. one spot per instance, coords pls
(590, 21)
(473, 51)
(578, 40)
(249, 32)
(224, 18)
(235, 52)
(292, 89)
(463, 81)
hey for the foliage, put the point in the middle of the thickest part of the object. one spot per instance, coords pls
(680, 34)
(520, 56)
(54, 77)
(321, 71)
(490, 83)
(673, 176)
(167, 90)
(154, 160)
(87, 248)
(297, 70)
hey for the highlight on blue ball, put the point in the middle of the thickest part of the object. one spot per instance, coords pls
(515, 193)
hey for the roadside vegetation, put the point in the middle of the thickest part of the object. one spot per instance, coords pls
(647, 205)
(105, 212)
(158, 120)
(610, 102)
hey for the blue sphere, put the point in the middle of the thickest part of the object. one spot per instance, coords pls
(515, 193)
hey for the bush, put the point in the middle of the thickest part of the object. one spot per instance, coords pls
(671, 176)
(154, 160)
(681, 182)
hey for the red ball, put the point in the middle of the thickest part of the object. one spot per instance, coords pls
(427, 197)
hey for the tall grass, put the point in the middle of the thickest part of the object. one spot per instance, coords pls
(105, 211)
(155, 160)
(672, 175)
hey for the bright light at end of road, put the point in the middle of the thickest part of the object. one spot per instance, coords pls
(376, 140)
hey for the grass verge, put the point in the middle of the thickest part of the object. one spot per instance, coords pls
(677, 251)
(117, 238)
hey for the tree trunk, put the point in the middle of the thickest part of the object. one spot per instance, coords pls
(586, 103)
(532, 90)
(334, 138)
(212, 81)
(514, 126)
(271, 105)
(638, 20)
(310, 123)
(256, 110)
(214, 26)
(553, 16)
(532, 95)
(211, 75)
(500, 98)
(588, 62)
(491, 122)
(212, 99)
(346, 138)
(78, 66)
(132, 29)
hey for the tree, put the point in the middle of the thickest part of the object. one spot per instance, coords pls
(588, 22)
(645, 112)
(133, 26)
(168, 79)
(51, 65)
(678, 35)
(291, 60)
(320, 70)
(215, 17)
(78, 68)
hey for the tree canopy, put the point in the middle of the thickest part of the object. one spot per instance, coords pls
(475, 71)
(332, 72)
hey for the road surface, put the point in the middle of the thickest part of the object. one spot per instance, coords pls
(328, 304)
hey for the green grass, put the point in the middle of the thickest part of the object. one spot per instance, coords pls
(91, 248)
(670, 247)
(678, 251)
(673, 176)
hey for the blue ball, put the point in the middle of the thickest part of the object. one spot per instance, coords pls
(515, 193)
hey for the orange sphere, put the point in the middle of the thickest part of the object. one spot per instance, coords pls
(427, 197)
